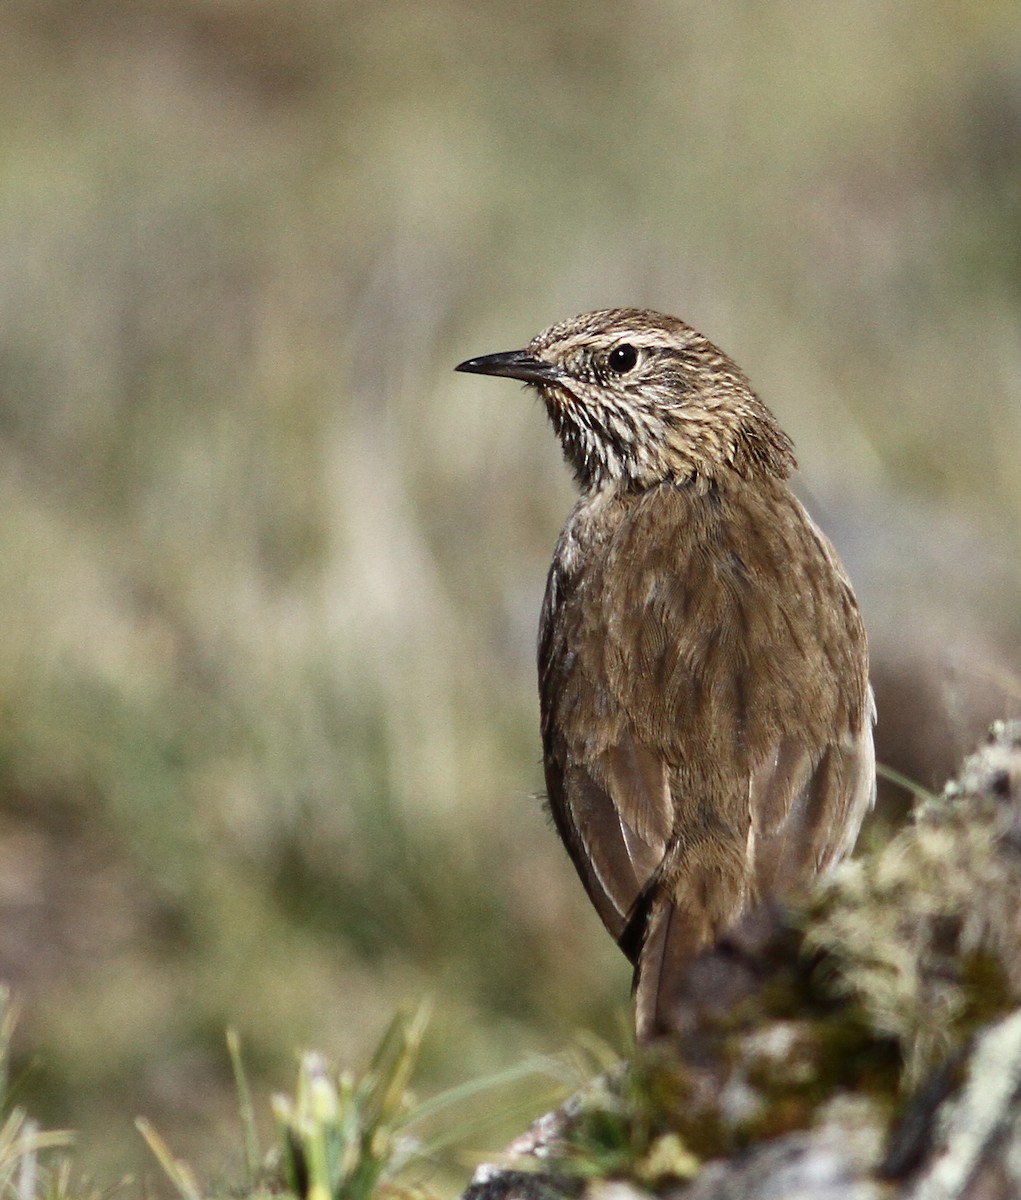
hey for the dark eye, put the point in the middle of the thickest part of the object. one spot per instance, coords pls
(621, 359)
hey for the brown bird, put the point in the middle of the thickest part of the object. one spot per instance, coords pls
(703, 668)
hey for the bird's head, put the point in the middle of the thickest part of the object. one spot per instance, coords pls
(638, 398)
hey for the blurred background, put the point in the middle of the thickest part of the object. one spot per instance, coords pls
(270, 571)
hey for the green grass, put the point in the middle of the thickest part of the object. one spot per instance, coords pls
(346, 1135)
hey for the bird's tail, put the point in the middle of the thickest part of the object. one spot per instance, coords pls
(687, 975)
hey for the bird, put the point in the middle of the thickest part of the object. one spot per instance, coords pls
(705, 706)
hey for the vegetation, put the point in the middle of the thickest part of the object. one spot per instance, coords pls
(270, 571)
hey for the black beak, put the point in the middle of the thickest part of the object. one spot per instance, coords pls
(515, 364)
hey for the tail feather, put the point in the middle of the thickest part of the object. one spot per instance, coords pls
(686, 974)
(672, 940)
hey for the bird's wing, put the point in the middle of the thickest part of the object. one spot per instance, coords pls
(613, 820)
(608, 793)
(807, 807)
(815, 780)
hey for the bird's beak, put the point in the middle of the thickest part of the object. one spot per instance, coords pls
(515, 364)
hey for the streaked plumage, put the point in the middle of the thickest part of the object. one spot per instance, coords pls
(703, 668)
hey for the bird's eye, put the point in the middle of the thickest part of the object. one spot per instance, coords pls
(622, 358)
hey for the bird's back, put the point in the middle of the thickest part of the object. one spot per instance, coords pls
(706, 714)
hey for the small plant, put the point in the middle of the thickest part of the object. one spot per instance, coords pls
(344, 1138)
(621, 1126)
